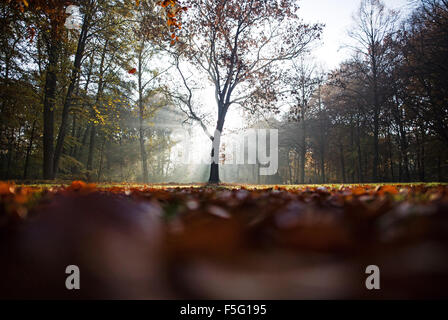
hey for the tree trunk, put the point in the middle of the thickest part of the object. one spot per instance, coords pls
(143, 154)
(391, 156)
(303, 153)
(97, 102)
(68, 99)
(297, 168)
(91, 147)
(100, 166)
(322, 165)
(79, 151)
(144, 157)
(421, 156)
(352, 150)
(214, 173)
(72, 149)
(341, 148)
(376, 146)
(10, 152)
(49, 106)
(216, 142)
(28, 151)
(358, 144)
(290, 165)
(376, 110)
(403, 144)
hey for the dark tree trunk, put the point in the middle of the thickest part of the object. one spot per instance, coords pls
(216, 142)
(99, 95)
(391, 156)
(10, 152)
(290, 173)
(72, 150)
(49, 106)
(144, 157)
(91, 147)
(322, 165)
(100, 167)
(79, 151)
(376, 146)
(400, 167)
(403, 145)
(352, 150)
(214, 173)
(421, 156)
(28, 151)
(344, 178)
(143, 153)
(68, 99)
(303, 153)
(358, 143)
(296, 168)
(376, 110)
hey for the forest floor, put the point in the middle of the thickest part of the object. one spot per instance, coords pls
(223, 242)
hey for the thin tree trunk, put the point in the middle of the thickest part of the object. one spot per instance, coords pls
(403, 145)
(10, 152)
(97, 102)
(358, 143)
(91, 148)
(290, 170)
(100, 169)
(68, 99)
(391, 158)
(352, 149)
(144, 157)
(79, 150)
(72, 151)
(28, 151)
(322, 165)
(376, 105)
(303, 153)
(296, 168)
(341, 149)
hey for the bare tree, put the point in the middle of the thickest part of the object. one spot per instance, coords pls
(240, 45)
(301, 82)
(373, 24)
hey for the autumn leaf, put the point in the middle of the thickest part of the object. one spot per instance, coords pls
(273, 232)
(387, 189)
(32, 33)
(6, 188)
(132, 71)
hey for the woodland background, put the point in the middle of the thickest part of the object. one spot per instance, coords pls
(98, 104)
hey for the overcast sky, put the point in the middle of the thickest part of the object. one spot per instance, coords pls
(337, 16)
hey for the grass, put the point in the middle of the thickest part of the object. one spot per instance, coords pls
(50, 184)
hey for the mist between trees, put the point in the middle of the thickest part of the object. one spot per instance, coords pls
(103, 102)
